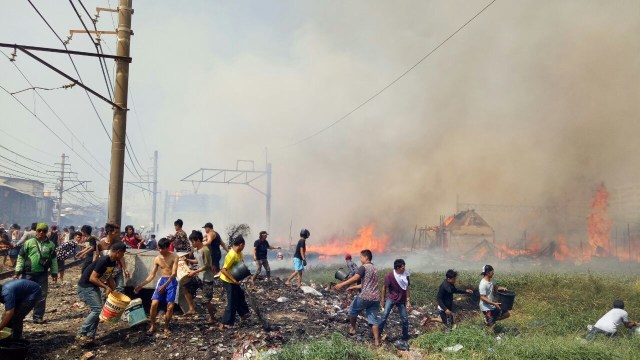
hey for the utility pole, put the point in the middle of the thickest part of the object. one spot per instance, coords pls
(155, 190)
(119, 131)
(61, 189)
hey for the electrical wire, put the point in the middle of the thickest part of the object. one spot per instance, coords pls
(54, 133)
(74, 67)
(393, 82)
(24, 166)
(26, 158)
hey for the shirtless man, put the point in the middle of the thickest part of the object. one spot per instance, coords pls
(167, 285)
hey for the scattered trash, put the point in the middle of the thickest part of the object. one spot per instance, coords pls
(454, 348)
(310, 290)
(88, 355)
(282, 299)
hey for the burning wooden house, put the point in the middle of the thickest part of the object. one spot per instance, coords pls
(463, 232)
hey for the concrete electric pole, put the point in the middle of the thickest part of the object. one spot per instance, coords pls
(120, 113)
(61, 189)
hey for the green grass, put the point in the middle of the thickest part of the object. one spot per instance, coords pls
(337, 347)
(549, 319)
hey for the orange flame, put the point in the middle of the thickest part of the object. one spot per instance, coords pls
(365, 240)
(599, 223)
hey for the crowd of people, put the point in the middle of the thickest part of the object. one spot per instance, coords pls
(42, 251)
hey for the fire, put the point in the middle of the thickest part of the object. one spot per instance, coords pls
(599, 223)
(366, 240)
(561, 251)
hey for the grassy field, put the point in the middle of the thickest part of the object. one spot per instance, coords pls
(549, 320)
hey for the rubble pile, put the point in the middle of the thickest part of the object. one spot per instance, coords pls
(289, 314)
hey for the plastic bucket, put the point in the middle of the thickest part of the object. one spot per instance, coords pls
(506, 299)
(134, 313)
(341, 275)
(240, 271)
(114, 306)
(14, 349)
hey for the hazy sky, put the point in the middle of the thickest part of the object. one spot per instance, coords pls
(530, 99)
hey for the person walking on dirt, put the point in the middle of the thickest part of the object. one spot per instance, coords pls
(203, 274)
(19, 297)
(113, 237)
(236, 302)
(36, 258)
(214, 242)
(396, 292)
(181, 242)
(608, 324)
(369, 297)
(260, 249)
(167, 286)
(299, 258)
(66, 251)
(98, 275)
(445, 300)
(90, 243)
(489, 307)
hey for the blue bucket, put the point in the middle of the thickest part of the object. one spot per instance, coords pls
(134, 313)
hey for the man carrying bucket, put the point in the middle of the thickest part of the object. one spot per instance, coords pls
(490, 308)
(167, 286)
(236, 301)
(98, 274)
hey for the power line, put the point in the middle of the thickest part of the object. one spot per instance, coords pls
(74, 67)
(103, 63)
(54, 133)
(24, 157)
(12, 137)
(23, 166)
(389, 84)
(68, 86)
(32, 176)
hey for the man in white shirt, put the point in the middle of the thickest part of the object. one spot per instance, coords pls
(608, 324)
(489, 307)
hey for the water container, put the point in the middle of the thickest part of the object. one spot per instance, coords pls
(14, 349)
(506, 299)
(341, 275)
(134, 313)
(240, 271)
(114, 307)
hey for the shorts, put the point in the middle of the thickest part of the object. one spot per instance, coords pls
(207, 291)
(370, 307)
(492, 315)
(193, 285)
(297, 264)
(169, 295)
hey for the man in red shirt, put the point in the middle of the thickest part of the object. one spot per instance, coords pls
(396, 289)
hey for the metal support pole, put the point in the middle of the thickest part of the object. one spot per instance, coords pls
(60, 190)
(120, 114)
(155, 190)
(268, 196)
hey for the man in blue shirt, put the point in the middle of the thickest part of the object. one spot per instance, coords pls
(19, 297)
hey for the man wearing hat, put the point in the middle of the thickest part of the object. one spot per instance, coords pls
(260, 248)
(36, 257)
(213, 241)
(489, 307)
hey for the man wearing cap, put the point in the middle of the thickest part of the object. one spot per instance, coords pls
(213, 242)
(489, 307)
(260, 248)
(36, 257)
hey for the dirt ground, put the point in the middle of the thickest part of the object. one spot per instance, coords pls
(290, 315)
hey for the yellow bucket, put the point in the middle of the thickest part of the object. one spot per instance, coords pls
(114, 307)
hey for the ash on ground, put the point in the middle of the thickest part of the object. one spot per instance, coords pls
(291, 315)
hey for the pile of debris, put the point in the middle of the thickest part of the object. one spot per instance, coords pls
(288, 315)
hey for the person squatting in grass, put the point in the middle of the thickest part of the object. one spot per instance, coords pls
(369, 297)
(489, 307)
(236, 301)
(608, 324)
(203, 272)
(99, 274)
(396, 292)
(445, 300)
(167, 285)
(299, 258)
